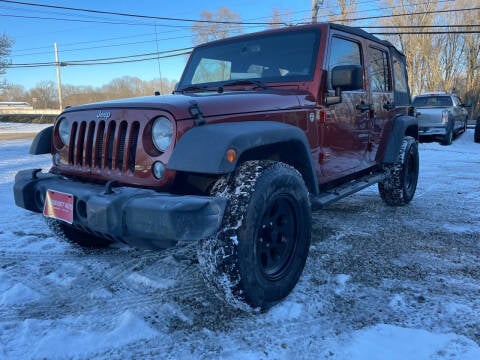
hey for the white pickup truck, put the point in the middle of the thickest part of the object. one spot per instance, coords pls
(441, 115)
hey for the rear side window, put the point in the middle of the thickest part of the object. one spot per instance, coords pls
(343, 52)
(400, 77)
(401, 92)
(379, 70)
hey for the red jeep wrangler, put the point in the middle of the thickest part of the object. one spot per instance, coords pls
(261, 129)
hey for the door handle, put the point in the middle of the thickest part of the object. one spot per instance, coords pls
(363, 107)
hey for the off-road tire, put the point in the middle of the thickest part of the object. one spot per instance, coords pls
(400, 182)
(258, 255)
(476, 135)
(75, 236)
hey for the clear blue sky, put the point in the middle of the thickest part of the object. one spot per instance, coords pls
(34, 38)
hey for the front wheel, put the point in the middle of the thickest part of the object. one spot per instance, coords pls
(258, 255)
(401, 178)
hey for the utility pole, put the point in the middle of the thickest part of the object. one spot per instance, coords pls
(59, 80)
(315, 6)
(158, 60)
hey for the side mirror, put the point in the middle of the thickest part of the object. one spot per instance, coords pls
(345, 78)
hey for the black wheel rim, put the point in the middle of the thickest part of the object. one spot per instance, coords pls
(411, 172)
(277, 237)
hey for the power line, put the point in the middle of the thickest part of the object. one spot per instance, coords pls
(139, 15)
(186, 51)
(195, 20)
(390, 7)
(102, 46)
(418, 26)
(111, 60)
(408, 14)
(73, 20)
(130, 56)
(427, 32)
(97, 41)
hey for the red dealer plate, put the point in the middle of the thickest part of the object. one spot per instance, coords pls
(59, 206)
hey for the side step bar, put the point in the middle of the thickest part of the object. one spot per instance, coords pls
(326, 198)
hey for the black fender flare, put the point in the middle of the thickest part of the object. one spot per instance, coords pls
(403, 125)
(203, 149)
(42, 143)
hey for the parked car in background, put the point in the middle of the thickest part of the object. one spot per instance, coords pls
(476, 136)
(441, 115)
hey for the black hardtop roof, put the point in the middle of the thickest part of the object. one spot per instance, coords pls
(360, 32)
(348, 29)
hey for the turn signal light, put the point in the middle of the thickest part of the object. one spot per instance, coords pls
(231, 155)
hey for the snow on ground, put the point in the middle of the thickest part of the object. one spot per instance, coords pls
(8, 128)
(380, 282)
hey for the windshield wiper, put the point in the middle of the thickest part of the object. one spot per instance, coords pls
(257, 83)
(193, 88)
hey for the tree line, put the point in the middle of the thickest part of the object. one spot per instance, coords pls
(437, 60)
(45, 95)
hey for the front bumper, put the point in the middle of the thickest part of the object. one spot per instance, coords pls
(140, 217)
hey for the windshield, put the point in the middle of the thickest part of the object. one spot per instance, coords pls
(432, 101)
(280, 57)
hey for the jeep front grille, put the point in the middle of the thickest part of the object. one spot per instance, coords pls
(104, 145)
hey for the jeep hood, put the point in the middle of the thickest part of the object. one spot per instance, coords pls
(210, 103)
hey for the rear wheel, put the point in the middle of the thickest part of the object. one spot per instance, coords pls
(75, 236)
(448, 137)
(257, 257)
(400, 182)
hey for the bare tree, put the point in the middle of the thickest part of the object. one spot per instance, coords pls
(154, 85)
(422, 59)
(5, 48)
(216, 26)
(343, 10)
(126, 86)
(279, 19)
(14, 93)
(44, 95)
(447, 62)
(347, 9)
(471, 60)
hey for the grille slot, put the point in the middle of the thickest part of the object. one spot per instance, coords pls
(110, 139)
(133, 146)
(89, 145)
(99, 144)
(79, 146)
(122, 135)
(104, 145)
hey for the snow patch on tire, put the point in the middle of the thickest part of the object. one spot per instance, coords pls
(216, 254)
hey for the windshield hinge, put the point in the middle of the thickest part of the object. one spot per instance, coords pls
(196, 113)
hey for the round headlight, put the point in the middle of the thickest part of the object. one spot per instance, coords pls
(162, 133)
(64, 131)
